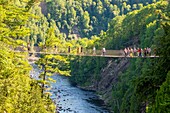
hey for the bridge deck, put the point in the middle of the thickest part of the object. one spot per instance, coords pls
(83, 54)
(98, 53)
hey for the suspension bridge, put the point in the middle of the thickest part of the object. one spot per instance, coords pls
(37, 51)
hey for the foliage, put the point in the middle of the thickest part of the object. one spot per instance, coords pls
(18, 92)
(137, 88)
(162, 98)
(12, 21)
(86, 69)
(51, 64)
(143, 87)
(88, 17)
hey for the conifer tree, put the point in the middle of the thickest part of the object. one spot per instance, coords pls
(51, 64)
(18, 92)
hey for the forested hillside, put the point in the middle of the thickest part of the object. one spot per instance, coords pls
(127, 85)
(84, 18)
(138, 88)
(73, 19)
(18, 92)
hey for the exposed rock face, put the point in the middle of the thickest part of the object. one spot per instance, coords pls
(109, 76)
(43, 6)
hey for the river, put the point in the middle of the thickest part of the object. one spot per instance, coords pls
(70, 99)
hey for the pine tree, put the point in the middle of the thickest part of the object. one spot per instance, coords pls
(162, 98)
(51, 64)
(18, 92)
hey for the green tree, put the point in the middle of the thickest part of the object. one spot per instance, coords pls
(51, 64)
(162, 98)
(16, 95)
(18, 92)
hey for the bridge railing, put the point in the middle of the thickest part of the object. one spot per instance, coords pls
(100, 52)
(76, 51)
(73, 51)
(81, 52)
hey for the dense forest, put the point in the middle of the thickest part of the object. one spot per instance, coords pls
(85, 18)
(143, 86)
(114, 24)
(88, 17)
(18, 92)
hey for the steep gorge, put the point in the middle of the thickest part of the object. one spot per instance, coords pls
(129, 85)
(108, 77)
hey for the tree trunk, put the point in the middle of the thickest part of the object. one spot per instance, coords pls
(43, 84)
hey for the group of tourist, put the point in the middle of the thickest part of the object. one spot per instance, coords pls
(128, 52)
(137, 52)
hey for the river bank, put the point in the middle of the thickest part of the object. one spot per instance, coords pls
(71, 99)
(100, 97)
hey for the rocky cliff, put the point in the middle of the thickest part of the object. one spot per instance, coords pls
(108, 77)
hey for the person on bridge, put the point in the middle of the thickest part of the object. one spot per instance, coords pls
(135, 51)
(69, 49)
(103, 51)
(55, 48)
(155, 52)
(131, 52)
(149, 51)
(28, 47)
(128, 51)
(125, 52)
(145, 52)
(94, 51)
(139, 52)
(78, 50)
(81, 49)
